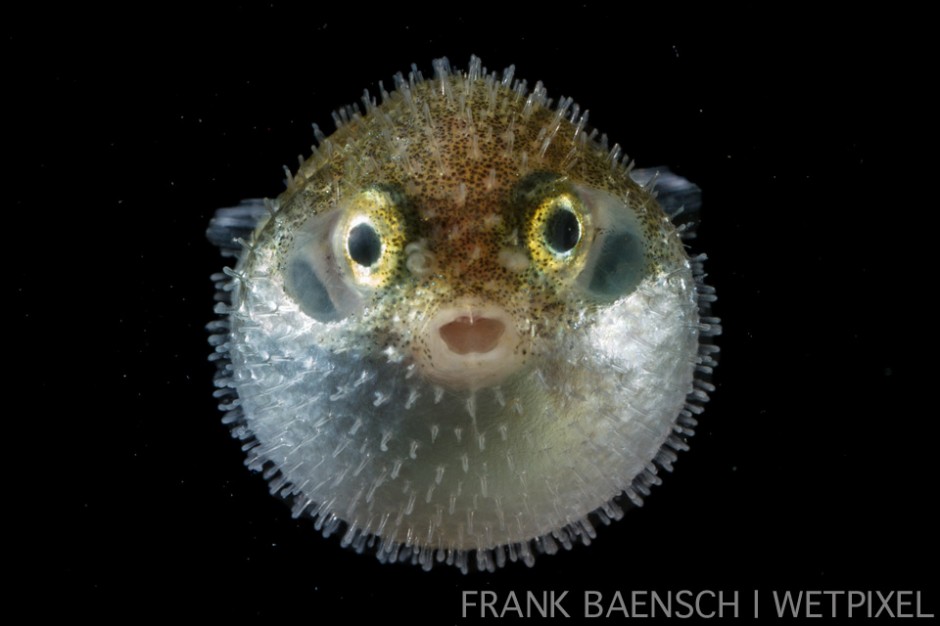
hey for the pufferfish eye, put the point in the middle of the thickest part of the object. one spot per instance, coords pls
(586, 235)
(562, 228)
(371, 236)
(340, 255)
(363, 244)
(556, 232)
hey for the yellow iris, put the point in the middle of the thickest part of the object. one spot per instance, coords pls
(558, 233)
(371, 237)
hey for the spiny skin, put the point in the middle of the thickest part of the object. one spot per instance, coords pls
(346, 387)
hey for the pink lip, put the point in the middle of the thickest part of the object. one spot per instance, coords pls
(469, 345)
(472, 334)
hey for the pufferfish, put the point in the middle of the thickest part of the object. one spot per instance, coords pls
(468, 330)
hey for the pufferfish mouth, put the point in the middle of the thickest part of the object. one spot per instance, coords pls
(469, 345)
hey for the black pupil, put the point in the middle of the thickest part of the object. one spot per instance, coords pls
(562, 230)
(364, 245)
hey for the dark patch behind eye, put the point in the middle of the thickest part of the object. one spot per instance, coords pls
(620, 266)
(364, 245)
(306, 288)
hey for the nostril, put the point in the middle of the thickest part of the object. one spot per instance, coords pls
(466, 334)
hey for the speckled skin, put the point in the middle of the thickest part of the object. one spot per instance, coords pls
(367, 419)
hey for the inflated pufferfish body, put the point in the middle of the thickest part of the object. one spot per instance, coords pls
(462, 328)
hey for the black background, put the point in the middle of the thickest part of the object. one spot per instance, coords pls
(812, 468)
